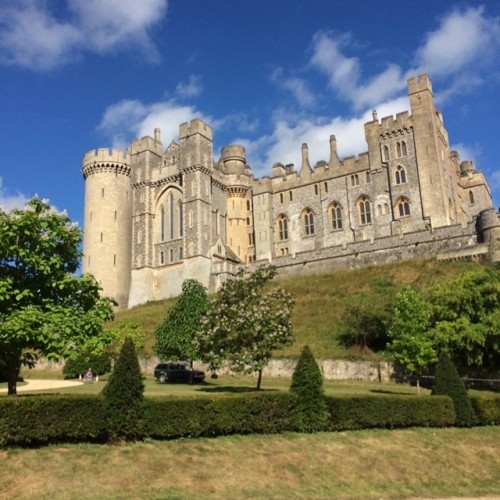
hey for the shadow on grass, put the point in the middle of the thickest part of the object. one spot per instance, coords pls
(393, 393)
(232, 389)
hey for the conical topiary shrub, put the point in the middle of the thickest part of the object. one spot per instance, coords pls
(448, 383)
(307, 386)
(124, 396)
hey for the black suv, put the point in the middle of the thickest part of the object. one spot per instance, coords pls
(177, 372)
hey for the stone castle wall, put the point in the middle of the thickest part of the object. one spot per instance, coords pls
(155, 216)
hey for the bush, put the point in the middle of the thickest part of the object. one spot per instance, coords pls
(448, 383)
(263, 414)
(124, 396)
(390, 412)
(307, 387)
(487, 409)
(79, 365)
(34, 420)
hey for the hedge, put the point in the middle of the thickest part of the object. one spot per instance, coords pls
(36, 420)
(269, 414)
(365, 412)
(487, 409)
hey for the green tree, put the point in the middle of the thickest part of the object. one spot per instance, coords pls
(99, 351)
(410, 344)
(175, 337)
(448, 383)
(365, 326)
(124, 396)
(465, 317)
(307, 386)
(44, 309)
(245, 324)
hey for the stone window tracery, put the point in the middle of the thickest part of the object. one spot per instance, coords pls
(401, 149)
(282, 227)
(400, 175)
(364, 209)
(403, 207)
(308, 221)
(336, 216)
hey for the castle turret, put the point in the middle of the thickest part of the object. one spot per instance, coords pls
(233, 158)
(433, 155)
(196, 162)
(108, 202)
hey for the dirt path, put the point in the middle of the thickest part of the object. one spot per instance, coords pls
(41, 385)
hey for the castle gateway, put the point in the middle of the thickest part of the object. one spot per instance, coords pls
(155, 216)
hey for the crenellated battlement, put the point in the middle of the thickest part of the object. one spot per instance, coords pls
(401, 123)
(195, 126)
(419, 84)
(105, 160)
(154, 214)
(106, 155)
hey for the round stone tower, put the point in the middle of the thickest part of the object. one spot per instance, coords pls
(235, 167)
(488, 225)
(107, 221)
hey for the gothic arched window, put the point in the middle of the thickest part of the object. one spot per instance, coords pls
(400, 175)
(364, 209)
(181, 218)
(282, 223)
(162, 223)
(403, 207)
(308, 221)
(336, 215)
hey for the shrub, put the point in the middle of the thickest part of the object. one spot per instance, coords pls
(78, 365)
(124, 396)
(34, 420)
(448, 383)
(487, 409)
(307, 387)
(390, 412)
(42, 419)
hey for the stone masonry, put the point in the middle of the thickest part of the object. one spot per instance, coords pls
(155, 216)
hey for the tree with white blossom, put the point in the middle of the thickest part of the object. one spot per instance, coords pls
(245, 323)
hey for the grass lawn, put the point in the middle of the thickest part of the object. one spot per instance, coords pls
(227, 385)
(430, 463)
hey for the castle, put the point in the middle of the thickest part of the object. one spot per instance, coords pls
(155, 217)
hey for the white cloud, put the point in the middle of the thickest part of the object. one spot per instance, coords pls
(32, 36)
(467, 151)
(131, 119)
(284, 143)
(344, 73)
(192, 88)
(464, 38)
(298, 87)
(8, 201)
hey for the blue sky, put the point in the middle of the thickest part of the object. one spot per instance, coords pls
(268, 74)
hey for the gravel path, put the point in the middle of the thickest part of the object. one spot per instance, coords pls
(41, 385)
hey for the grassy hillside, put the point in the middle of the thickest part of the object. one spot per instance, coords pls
(320, 302)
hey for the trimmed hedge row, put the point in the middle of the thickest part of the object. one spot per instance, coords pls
(35, 420)
(365, 412)
(487, 409)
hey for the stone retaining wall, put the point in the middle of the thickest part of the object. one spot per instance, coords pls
(333, 369)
